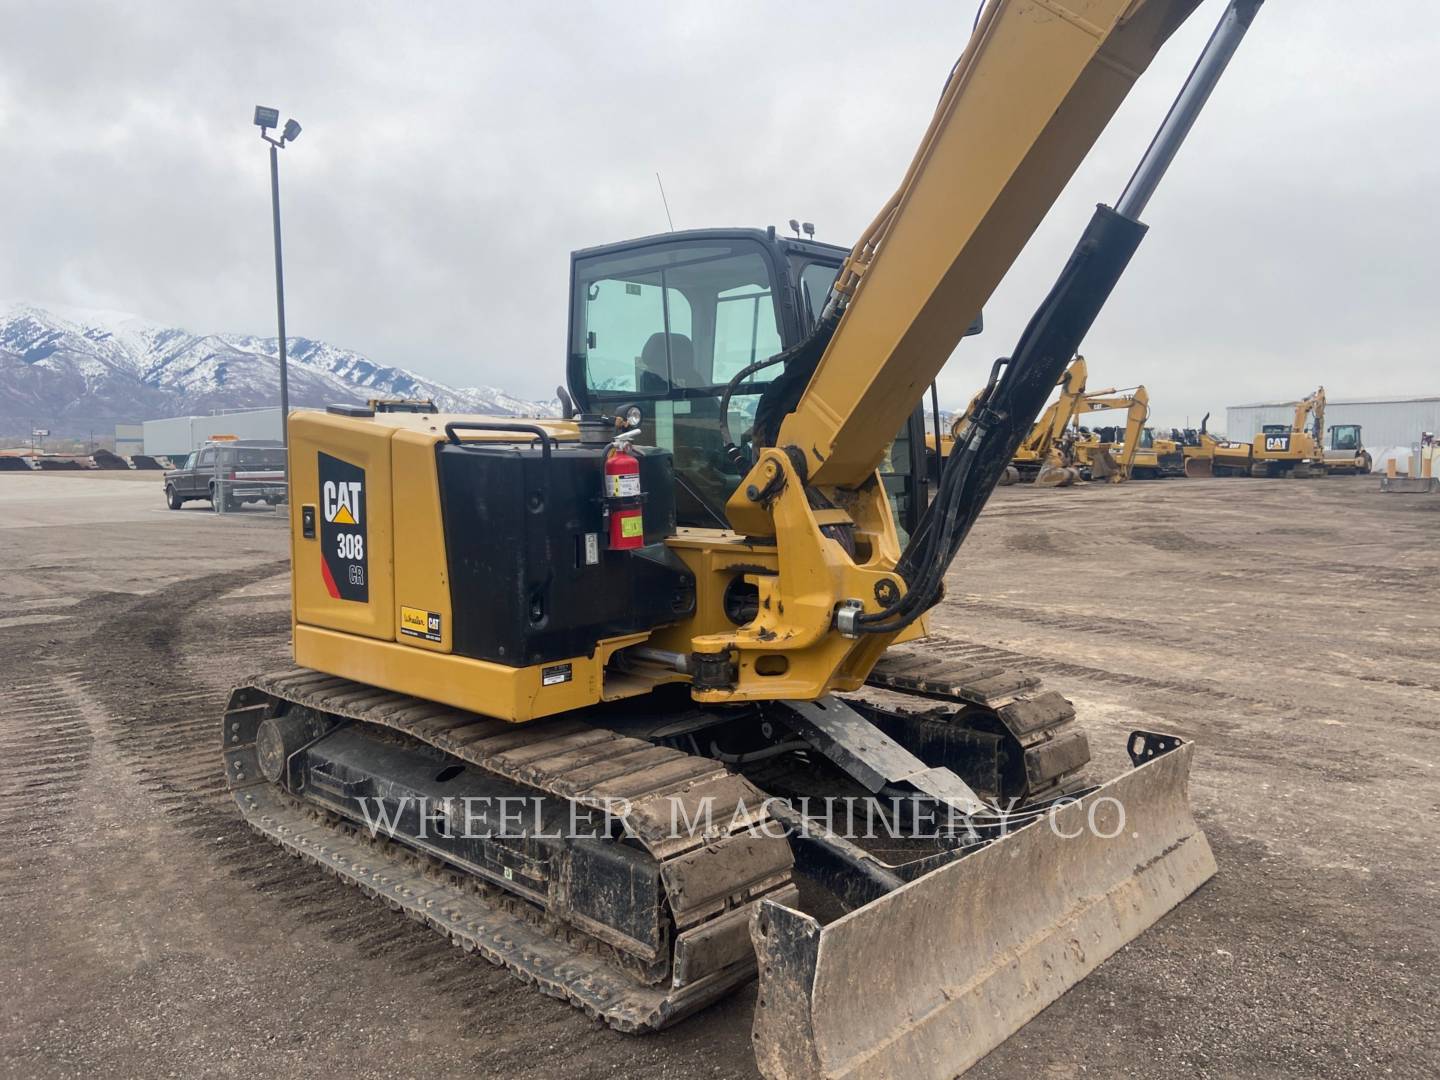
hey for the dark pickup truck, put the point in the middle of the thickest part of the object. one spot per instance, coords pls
(237, 472)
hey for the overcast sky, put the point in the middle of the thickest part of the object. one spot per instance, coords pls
(454, 154)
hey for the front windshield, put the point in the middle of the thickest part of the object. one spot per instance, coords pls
(665, 328)
(673, 317)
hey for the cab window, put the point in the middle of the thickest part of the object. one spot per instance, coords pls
(632, 330)
(672, 317)
(816, 278)
(745, 330)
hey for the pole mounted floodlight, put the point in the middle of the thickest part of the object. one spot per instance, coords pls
(267, 119)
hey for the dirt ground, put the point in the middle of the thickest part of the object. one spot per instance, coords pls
(1290, 627)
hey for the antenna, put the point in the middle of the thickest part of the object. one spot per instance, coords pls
(666, 202)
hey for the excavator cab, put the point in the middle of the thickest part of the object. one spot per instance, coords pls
(660, 325)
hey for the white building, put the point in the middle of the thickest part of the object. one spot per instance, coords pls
(129, 439)
(178, 435)
(1388, 426)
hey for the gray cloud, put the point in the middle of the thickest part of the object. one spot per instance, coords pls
(454, 154)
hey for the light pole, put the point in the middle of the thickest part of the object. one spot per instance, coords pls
(265, 119)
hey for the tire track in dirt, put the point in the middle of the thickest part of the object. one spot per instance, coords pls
(166, 724)
(45, 744)
(164, 718)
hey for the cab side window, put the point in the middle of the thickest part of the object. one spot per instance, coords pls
(746, 330)
(632, 330)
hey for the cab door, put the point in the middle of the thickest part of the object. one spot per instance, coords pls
(204, 471)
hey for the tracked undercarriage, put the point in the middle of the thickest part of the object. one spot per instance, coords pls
(617, 872)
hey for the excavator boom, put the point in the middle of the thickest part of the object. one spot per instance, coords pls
(924, 268)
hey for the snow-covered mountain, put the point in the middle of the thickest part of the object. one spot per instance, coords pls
(75, 369)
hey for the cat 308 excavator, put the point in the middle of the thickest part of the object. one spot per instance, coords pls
(570, 691)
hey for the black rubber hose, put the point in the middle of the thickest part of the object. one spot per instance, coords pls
(1052, 337)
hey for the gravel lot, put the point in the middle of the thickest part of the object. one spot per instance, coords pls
(1290, 627)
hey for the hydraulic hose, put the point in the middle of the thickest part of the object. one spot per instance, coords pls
(1007, 411)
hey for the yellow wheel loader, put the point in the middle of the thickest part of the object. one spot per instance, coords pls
(596, 697)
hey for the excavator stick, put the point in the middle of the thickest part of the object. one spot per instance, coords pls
(926, 980)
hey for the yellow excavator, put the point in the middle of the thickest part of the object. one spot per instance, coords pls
(1043, 458)
(1113, 455)
(1296, 451)
(583, 694)
(1208, 455)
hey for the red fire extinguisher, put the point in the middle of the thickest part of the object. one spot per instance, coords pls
(623, 497)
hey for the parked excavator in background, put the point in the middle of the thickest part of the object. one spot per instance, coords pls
(1044, 458)
(646, 622)
(1296, 451)
(1113, 454)
(1208, 455)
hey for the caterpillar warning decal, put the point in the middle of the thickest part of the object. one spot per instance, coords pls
(343, 562)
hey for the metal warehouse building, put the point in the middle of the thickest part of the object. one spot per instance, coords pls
(1385, 423)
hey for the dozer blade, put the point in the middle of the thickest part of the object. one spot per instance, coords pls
(928, 979)
(1199, 467)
